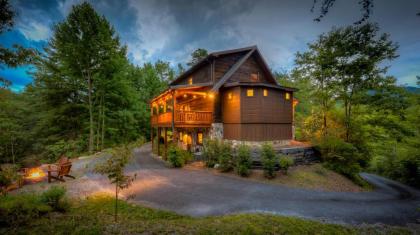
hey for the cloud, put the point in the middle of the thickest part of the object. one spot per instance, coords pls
(34, 30)
(155, 27)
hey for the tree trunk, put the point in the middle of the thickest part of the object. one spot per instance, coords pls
(91, 133)
(103, 123)
(116, 202)
(12, 149)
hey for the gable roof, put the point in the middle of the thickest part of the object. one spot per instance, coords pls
(252, 50)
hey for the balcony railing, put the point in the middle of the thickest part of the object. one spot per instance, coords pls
(184, 117)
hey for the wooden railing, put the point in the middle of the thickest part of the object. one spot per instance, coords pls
(183, 117)
(193, 117)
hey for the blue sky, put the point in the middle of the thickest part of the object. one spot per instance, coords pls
(171, 29)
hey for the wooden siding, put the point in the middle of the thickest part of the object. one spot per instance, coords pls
(231, 108)
(224, 63)
(250, 66)
(257, 131)
(257, 118)
(273, 108)
(201, 75)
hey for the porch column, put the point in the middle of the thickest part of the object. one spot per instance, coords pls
(165, 153)
(158, 141)
(174, 135)
(152, 129)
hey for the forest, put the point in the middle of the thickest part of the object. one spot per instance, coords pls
(86, 96)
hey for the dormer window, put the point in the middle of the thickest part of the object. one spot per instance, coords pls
(190, 81)
(254, 77)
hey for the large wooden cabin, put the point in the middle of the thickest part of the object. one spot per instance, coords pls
(228, 95)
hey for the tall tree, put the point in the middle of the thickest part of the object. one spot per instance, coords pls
(85, 45)
(345, 63)
(196, 56)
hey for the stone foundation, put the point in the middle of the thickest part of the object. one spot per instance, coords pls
(258, 144)
(216, 131)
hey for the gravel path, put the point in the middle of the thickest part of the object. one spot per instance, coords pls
(201, 193)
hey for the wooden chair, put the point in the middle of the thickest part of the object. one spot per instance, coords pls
(59, 173)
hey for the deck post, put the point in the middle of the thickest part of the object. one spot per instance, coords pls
(165, 153)
(152, 129)
(174, 136)
(158, 141)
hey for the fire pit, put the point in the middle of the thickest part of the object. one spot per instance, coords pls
(34, 175)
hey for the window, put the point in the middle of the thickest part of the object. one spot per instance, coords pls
(200, 138)
(254, 77)
(265, 92)
(190, 81)
(250, 92)
(180, 136)
(287, 96)
(230, 95)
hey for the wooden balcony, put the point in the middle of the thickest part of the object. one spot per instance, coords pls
(183, 118)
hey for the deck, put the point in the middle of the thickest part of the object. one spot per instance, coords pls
(183, 118)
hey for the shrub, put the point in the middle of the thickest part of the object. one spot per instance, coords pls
(20, 209)
(286, 162)
(211, 152)
(243, 160)
(269, 160)
(341, 156)
(8, 176)
(177, 157)
(225, 156)
(55, 198)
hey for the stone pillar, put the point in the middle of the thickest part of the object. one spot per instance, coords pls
(216, 131)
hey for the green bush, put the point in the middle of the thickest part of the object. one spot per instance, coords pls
(225, 156)
(243, 160)
(55, 198)
(211, 151)
(285, 162)
(177, 157)
(20, 209)
(8, 176)
(269, 160)
(340, 156)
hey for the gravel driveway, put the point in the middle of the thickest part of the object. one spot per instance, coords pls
(201, 193)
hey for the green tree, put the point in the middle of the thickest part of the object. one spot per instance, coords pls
(86, 45)
(196, 56)
(17, 55)
(113, 168)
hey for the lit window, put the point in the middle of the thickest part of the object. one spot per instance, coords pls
(180, 136)
(200, 138)
(265, 92)
(230, 95)
(287, 97)
(190, 81)
(250, 92)
(254, 77)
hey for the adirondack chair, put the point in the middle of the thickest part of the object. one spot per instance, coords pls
(59, 172)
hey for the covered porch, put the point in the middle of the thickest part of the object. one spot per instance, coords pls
(181, 116)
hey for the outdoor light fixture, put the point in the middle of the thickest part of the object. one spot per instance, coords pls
(185, 95)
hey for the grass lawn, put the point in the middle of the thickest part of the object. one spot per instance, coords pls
(313, 176)
(95, 216)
